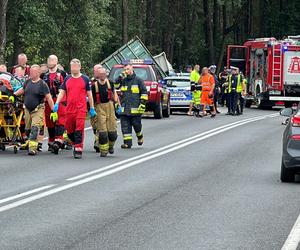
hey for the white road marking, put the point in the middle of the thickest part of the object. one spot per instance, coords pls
(26, 193)
(128, 165)
(293, 239)
(102, 169)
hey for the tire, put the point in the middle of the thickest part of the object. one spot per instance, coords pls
(288, 104)
(248, 104)
(158, 112)
(167, 111)
(287, 175)
(266, 105)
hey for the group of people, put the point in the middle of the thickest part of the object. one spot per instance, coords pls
(209, 89)
(60, 101)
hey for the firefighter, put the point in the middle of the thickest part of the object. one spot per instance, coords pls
(104, 96)
(207, 83)
(22, 61)
(76, 88)
(54, 78)
(235, 89)
(133, 101)
(94, 119)
(194, 78)
(35, 90)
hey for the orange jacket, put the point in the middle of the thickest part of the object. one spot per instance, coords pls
(207, 82)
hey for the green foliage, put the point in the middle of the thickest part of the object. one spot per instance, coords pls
(92, 30)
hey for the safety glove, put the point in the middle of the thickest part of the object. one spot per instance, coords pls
(54, 116)
(118, 108)
(55, 108)
(92, 112)
(142, 108)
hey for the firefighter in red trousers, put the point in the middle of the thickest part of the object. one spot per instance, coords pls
(76, 88)
(54, 78)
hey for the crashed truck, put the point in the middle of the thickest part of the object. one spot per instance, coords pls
(156, 68)
(272, 68)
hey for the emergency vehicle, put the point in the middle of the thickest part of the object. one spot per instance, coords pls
(179, 86)
(272, 70)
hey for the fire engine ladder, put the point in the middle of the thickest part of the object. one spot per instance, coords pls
(277, 66)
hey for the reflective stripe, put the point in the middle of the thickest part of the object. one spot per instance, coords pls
(139, 134)
(135, 111)
(239, 86)
(144, 97)
(127, 137)
(104, 147)
(135, 89)
(124, 88)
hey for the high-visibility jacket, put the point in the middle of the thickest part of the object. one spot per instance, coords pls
(239, 86)
(207, 82)
(195, 76)
(133, 93)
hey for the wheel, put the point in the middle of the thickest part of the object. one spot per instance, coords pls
(266, 105)
(287, 175)
(288, 104)
(16, 149)
(167, 111)
(158, 111)
(248, 104)
(2, 147)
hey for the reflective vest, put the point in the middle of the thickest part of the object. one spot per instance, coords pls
(239, 86)
(195, 76)
(206, 84)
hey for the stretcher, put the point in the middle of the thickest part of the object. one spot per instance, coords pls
(11, 116)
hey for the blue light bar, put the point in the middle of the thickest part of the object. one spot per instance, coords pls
(138, 61)
(285, 48)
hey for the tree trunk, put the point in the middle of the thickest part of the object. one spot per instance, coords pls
(210, 32)
(3, 10)
(125, 20)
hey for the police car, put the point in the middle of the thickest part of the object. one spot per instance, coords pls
(180, 90)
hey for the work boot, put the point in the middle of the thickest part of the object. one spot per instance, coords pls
(50, 145)
(125, 146)
(32, 148)
(103, 154)
(77, 154)
(31, 152)
(40, 147)
(111, 151)
(55, 148)
(96, 146)
(141, 141)
(213, 115)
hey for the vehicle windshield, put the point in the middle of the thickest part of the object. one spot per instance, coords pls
(142, 73)
(178, 83)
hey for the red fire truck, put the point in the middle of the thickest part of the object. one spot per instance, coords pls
(272, 70)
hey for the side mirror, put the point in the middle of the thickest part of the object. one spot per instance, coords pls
(287, 112)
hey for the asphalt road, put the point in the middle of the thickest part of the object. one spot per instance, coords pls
(195, 184)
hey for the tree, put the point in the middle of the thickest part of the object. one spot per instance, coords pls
(3, 10)
(125, 20)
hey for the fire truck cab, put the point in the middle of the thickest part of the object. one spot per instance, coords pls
(272, 70)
